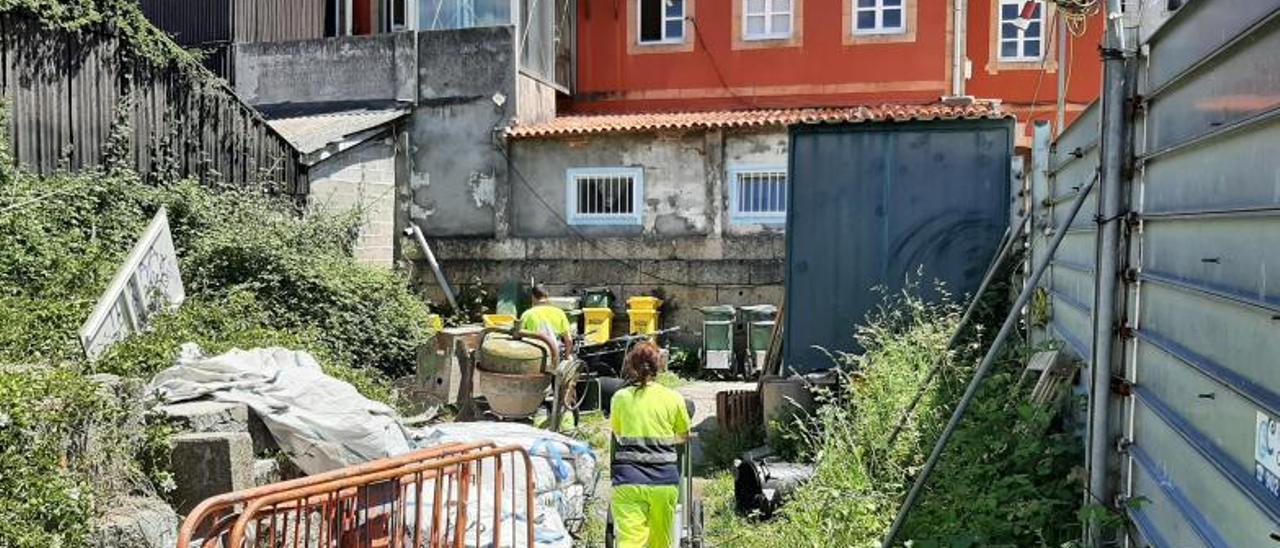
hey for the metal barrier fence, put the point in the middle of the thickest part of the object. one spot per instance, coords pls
(433, 497)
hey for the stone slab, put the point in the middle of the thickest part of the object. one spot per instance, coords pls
(207, 416)
(206, 464)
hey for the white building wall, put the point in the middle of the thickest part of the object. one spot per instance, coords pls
(362, 178)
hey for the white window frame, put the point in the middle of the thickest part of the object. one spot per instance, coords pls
(736, 215)
(1022, 38)
(879, 9)
(684, 30)
(572, 176)
(768, 14)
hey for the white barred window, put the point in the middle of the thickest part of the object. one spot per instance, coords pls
(758, 194)
(605, 196)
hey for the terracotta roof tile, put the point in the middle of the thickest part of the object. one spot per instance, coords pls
(647, 122)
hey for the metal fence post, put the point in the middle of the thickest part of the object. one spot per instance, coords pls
(1112, 151)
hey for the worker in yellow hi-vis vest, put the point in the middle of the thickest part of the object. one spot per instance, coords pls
(649, 421)
(547, 319)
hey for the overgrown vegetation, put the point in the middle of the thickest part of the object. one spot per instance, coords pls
(1008, 477)
(145, 41)
(257, 273)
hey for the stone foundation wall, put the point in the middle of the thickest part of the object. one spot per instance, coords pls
(731, 270)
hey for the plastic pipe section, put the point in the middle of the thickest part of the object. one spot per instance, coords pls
(416, 232)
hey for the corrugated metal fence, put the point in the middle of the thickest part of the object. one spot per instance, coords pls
(73, 97)
(1195, 427)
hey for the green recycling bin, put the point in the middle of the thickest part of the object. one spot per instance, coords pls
(760, 320)
(717, 337)
(597, 297)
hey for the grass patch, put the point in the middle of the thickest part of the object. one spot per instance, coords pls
(594, 430)
(721, 448)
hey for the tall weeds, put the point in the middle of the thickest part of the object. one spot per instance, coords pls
(1006, 479)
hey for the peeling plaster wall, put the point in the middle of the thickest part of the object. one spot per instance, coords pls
(685, 235)
(467, 87)
(674, 200)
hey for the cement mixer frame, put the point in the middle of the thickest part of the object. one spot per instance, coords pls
(564, 371)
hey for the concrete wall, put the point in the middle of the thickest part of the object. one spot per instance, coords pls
(362, 178)
(467, 89)
(685, 249)
(377, 68)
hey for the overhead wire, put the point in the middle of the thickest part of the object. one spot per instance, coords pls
(715, 66)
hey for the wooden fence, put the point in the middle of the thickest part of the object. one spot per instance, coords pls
(80, 100)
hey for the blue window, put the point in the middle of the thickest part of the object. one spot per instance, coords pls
(605, 195)
(878, 16)
(661, 21)
(1021, 39)
(758, 194)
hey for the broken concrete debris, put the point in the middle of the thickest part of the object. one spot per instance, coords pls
(136, 522)
(210, 463)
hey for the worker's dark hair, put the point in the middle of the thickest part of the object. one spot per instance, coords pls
(641, 365)
(538, 292)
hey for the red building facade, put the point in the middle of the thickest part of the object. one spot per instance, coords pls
(680, 55)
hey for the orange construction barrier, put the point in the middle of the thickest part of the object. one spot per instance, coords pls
(383, 503)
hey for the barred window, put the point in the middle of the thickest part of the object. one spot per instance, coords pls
(758, 194)
(607, 196)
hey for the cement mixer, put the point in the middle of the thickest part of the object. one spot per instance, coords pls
(514, 370)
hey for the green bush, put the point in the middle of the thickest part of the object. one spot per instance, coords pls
(257, 272)
(43, 411)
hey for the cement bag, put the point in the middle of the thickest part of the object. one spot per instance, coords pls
(320, 422)
(564, 475)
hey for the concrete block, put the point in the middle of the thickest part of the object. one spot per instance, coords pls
(554, 248)
(698, 248)
(763, 246)
(207, 416)
(646, 271)
(719, 272)
(740, 295)
(477, 248)
(135, 522)
(769, 271)
(210, 463)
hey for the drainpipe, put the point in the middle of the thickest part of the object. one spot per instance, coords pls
(1105, 327)
(960, 25)
(1063, 43)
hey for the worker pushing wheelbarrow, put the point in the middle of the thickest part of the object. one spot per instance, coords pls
(652, 504)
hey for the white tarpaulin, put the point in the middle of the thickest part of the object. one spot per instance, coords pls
(323, 423)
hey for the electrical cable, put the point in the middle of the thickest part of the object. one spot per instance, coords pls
(724, 83)
(1077, 14)
(596, 245)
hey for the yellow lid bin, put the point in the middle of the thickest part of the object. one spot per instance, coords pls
(599, 324)
(643, 303)
(499, 320)
(642, 322)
